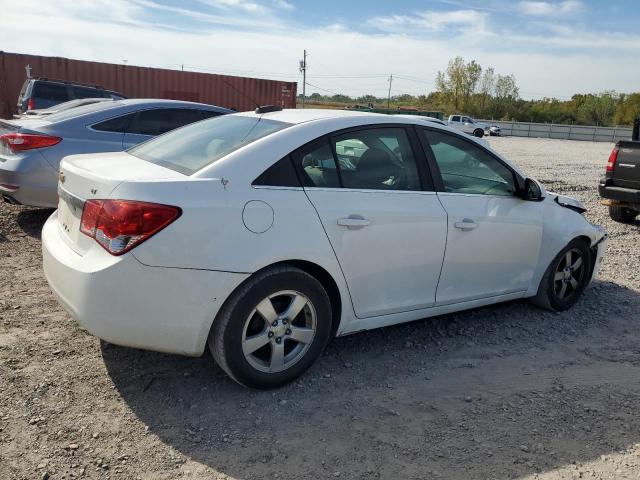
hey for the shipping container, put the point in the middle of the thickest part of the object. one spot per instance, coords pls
(238, 93)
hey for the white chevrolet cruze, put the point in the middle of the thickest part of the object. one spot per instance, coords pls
(265, 234)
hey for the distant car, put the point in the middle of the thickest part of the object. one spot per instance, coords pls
(61, 107)
(495, 131)
(482, 141)
(39, 93)
(31, 149)
(468, 125)
(264, 235)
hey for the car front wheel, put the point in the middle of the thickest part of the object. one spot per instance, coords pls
(478, 133)
(272, 328)
(566, 278)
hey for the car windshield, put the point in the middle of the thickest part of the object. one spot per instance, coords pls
(191, 148)
(82, 110)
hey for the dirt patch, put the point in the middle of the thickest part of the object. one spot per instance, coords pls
(508, 391)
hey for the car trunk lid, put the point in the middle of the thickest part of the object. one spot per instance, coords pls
(96, 176)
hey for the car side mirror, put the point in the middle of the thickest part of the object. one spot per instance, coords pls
(532, 191)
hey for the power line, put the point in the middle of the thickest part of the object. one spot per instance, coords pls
(323, 89)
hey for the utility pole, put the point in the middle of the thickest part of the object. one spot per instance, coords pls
(389, 96)
(303, 69)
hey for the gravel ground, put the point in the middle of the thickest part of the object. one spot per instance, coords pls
(508, 391)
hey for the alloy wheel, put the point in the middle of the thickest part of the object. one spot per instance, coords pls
(569, 275)
(279, 331)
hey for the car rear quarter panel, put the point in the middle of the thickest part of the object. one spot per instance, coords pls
(211, 233)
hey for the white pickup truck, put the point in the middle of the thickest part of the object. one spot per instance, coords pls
(468, 125)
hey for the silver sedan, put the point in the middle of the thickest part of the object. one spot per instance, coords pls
(31, 149)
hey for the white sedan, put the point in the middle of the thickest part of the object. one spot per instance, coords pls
(266, 234)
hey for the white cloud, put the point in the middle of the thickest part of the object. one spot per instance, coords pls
(247, 6)
(550, 9)
(284, 4)
(432, 21)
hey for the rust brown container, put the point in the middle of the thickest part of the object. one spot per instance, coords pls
(239, 93)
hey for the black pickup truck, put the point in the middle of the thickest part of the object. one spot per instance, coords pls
(620, 188)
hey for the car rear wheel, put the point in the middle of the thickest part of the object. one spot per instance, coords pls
(478, 132)
(272, 328)
(566, 278)
(622, 214)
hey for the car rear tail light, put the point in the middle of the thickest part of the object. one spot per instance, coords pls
(120, 225)
(19, 142)
(613, 158)
(31, 104)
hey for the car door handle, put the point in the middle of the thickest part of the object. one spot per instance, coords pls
(353, 222)
(466, 224)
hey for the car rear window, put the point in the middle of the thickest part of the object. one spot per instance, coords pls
(51, 91)
(195, 146)
(83, 92)
(82, 110)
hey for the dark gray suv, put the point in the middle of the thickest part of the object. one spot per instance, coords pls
(39, 93)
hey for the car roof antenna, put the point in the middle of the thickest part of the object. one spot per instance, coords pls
(242, 94)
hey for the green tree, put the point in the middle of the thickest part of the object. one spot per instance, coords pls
(486, 87)
(627, 109)
(598, 109)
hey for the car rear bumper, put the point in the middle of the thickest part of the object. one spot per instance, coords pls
(127, 303)
(619, 195)
(29, 181)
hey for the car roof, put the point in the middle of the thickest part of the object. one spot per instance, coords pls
(163, 102)
(116, 107)
(298, 116)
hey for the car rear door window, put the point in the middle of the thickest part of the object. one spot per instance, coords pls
(51, 91)
(377, 159)
(317, 165)
(116, 125)
(161, 120)
(280, 174)
(467, 168)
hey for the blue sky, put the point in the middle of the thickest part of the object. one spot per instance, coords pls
(554, 48)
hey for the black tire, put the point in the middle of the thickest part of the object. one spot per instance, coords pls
(478, 132)
(548, 295)
(228, 330)
(622, 214)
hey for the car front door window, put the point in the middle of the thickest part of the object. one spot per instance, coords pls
(466, 168)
